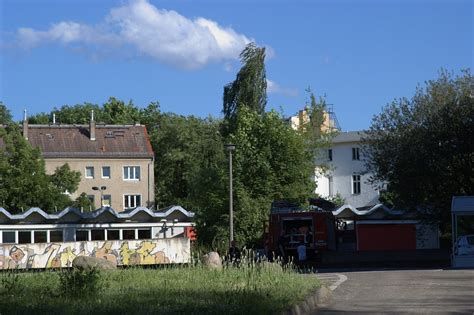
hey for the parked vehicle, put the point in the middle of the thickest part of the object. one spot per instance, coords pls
(289, 227)
(465, 245)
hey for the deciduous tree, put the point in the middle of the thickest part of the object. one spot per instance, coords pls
(423, 147)
(249, 89)
(23, 179)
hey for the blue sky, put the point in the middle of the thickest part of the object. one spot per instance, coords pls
(360, 54)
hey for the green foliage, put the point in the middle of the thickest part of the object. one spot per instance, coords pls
(271, 161)
(65, 180)
(422, 147)
(83, 203)
(189, 152)
(5, 115)
(249, 89)
(76, 282)
(23, 179)
(337, 200)
(11, 284)
(40, 119)
(251, 289)
(114, 111)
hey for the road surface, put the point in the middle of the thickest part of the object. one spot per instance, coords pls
(400, 291)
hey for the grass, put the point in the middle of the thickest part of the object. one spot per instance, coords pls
(249, 289)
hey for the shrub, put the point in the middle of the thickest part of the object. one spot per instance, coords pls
(79, 282)
(10, 283)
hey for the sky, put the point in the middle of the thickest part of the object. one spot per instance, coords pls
(359, 55)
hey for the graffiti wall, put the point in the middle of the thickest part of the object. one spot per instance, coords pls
(55, 255)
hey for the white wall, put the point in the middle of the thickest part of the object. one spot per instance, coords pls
(342, 167)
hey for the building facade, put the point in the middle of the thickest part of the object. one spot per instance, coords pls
(116, 162)
(346, 174)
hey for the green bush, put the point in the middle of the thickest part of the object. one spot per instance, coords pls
(10, 283)
(79, 282)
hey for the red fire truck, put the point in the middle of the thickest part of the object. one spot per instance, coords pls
(289, 226)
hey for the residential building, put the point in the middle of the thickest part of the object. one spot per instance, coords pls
(346, 174)
(330, 122)
(116, 162)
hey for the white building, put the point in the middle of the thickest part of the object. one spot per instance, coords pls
(346, 175)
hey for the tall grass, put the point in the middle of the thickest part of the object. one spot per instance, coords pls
(254, 287)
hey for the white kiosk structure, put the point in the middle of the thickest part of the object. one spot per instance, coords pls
(462, 214)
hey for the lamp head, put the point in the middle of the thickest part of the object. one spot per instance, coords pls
(230, 147)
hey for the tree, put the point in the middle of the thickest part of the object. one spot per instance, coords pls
(66, 180)
(5, 115)
(23, 179)
(422, 147)
(272, 161)
(117, 112)
(249, 89)
(83, 203)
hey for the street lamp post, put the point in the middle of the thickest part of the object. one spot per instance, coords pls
(101, 189)
(230, 148)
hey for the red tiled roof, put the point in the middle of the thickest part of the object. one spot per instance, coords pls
(74, 141)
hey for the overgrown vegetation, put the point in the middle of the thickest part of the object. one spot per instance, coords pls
(423, 149)
(76, 282)
(250, 289)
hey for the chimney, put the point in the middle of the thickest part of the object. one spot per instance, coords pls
(92, 127)
(25, 125)
(54, 119)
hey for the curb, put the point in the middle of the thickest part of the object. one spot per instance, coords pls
(310, 304)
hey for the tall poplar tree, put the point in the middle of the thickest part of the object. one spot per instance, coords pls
(249, 88)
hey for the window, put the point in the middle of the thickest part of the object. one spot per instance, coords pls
(24, 237)
(331, 186)
(131, 172)
(82, 235)
(355, 154)
(9, 237)
(329, 154)
(106, 200)
(56, 236)
(89, 172)
(106, 172)
(144, 234)
(128, 234)
(97, 235)
(132, 201)
(113, 235)
(355, 184)
(40, 237)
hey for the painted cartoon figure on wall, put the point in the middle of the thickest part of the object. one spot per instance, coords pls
(57, 255)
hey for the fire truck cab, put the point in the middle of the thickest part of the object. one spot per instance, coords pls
(290, 226)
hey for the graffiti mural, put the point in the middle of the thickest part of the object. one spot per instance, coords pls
(56, 255)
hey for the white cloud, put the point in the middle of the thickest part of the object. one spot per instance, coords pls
(164, 35)
(275, 88)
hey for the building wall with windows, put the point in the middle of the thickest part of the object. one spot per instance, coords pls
(116, 162)
(129, 182)
(346, 174)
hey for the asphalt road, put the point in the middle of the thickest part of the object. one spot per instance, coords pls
(400, 291)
